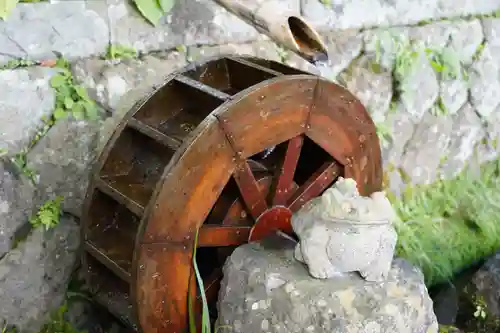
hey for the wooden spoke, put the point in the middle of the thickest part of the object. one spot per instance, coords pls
(215, 235)
(252, 197)
(315, 185)
(284, 173)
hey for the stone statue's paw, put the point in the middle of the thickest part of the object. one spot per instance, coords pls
(324, 271)
(298, 253)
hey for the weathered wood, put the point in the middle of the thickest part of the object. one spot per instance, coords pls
(228, 148)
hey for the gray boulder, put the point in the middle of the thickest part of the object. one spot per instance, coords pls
(16, 206)
(266, 290)
(34, 276)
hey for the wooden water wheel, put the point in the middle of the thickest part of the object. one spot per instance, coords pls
(222, 146)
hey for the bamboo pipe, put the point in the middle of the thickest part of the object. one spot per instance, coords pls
(283, 25)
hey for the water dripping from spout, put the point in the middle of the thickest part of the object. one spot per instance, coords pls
(324, 68)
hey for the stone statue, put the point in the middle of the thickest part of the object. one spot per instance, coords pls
(341, 232)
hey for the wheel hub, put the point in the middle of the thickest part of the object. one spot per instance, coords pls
(275, 218)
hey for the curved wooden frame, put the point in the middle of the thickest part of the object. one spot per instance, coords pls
(289, 106)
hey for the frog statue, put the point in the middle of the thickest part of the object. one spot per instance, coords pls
(342, 231)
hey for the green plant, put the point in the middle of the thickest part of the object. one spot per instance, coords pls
(384, 134)
(479, 51)
(446, 63)
(450, 224)
(20, 162)
(58, 323)
(71, 99)
(118, 52)
(439, 109)
(16, 63)
(481, 308)
(283, 54)
(153, 10)
(205, 319)
(48, 215)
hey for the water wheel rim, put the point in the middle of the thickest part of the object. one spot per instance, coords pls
(178, 313)
(359, 137)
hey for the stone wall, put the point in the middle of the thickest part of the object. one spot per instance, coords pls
(435, 110)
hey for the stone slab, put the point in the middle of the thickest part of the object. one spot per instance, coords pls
(37, 30)
(107, 82)
(191, 22)
(34, 276)
(62, 161)
(25, 97)
(355, 14)
(17, 197)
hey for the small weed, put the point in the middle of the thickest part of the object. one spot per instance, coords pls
(48, 215)
(405, 60)
(3, 152)
(20, 161)
(6, 328)
(479, 52)
(17, 63)
(446, 63)
(480, 307)
(21, 164)
(384, 134)
(283, 54)
(119, 52)
(439, 109)
(71, 99)
(58, 323)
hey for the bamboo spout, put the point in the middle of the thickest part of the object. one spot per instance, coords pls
(284, 26)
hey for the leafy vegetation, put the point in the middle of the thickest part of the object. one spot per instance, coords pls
(56, 324)
(20, 162)
(17, 63)
(153, 10)
(71, 99)
(49, 214)
(450, 224)
(119, 52)
(407, 56)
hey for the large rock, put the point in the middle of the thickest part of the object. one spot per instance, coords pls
(466, 133)
(485, 81)
(347, 14)
(191, 22)
(16, 206)
(371, 84)
(265, 290)
(62, 161)
(34, 275)
(427, 149)
(25, 97)
(108, 82)
(72, 28)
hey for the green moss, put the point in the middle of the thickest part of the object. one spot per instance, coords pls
(451, 223)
